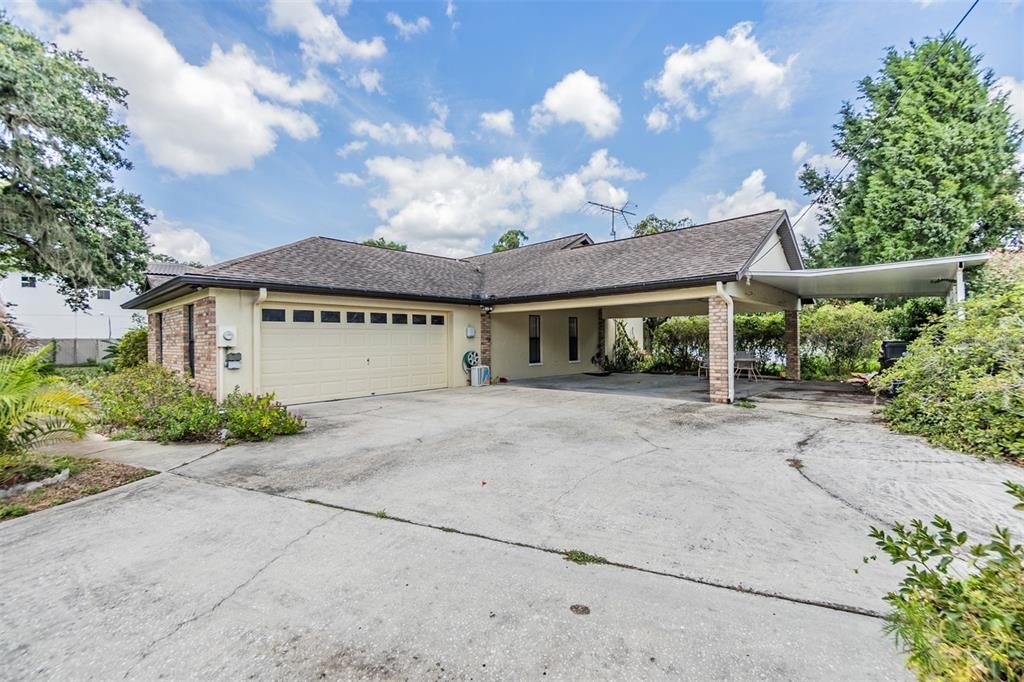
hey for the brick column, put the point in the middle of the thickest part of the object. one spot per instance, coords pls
(719, 343)
(175, 339)
(153, 339)
(792, 338)
(485, 339)
(206, 344)
(600, 336)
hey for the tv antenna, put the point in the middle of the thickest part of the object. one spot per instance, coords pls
(614, 211)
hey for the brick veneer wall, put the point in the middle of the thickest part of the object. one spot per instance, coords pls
(792, 339)
(153, 339)
(719, 369)
(485, 339)
(175, 341)
(206, 344)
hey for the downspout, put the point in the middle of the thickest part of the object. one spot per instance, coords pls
(961, 290)
(730, 343)
(256, 334)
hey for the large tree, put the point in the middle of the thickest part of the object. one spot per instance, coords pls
(61, 215)
(512, 239)
(653, 224)
(382, 243)
(936, 176)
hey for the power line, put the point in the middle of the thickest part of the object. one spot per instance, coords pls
(889, 111)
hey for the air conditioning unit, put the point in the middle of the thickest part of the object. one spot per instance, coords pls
(480, 375)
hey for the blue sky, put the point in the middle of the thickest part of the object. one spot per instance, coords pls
(441, 124)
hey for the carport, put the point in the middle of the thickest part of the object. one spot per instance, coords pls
(754, 291)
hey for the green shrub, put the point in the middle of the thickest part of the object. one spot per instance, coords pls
(258, 417)
(152, 402)
(959, 612)
(908, 319)
(626, 356)
(764, 336)
(837, 339)
(962, 381)
(680, 343)
(132, 349)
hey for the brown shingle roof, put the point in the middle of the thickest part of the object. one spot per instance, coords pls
(567, 266)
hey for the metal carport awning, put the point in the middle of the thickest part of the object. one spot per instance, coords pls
(929, 277)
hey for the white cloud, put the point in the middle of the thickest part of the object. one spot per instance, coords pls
(1015, 95)
(725, 65)
(433, 134)
(800, 152)
(321, 38)
(658, 120)
(351, 148)
(407, 30)
(191, 119)
(578, 98)
(752, 197)
(31, 16)
(449, 11)
(350, 180)
(502, 122)
(181, 243)
(444, 204)
(369, 80)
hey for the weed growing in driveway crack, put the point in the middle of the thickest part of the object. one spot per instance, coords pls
(382, 514)
(795, 462)
(745, 403)
(578, 556)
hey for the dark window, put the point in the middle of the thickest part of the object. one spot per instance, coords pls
(330, 316)
(28, 282)
(399, 318)
(378, 318)
(355, 318)
(103, 294)
(159, 338)
(190, 313)
(419, 319)
(273, 314)
(302, 316)
(534, 339)
(437, 319)
(574, 340)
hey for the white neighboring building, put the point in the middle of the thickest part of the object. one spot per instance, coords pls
(40, 310)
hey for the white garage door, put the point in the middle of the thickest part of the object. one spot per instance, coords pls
(312, 353)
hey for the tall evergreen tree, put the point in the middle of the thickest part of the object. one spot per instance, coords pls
(936, 177)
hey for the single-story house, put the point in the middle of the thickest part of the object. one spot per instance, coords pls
(322, 318)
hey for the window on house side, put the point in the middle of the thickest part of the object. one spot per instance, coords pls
(574, 340)
(28, 282)
(103, 294)
(534, 339)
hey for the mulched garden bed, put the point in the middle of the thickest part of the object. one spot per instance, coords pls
(88, 477)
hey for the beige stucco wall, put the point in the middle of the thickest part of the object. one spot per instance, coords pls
(510, 343)
(235, 308)
(634, 327)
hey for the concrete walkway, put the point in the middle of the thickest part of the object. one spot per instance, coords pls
(734, 563)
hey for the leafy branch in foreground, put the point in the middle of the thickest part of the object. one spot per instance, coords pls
(959, 612)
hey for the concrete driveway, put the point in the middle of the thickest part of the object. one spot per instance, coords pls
(733, 560)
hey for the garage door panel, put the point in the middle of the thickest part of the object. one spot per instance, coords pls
(306, 362)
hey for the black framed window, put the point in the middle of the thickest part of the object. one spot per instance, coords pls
(378, 318)
(273, 315)
(399, 318)
(574, 339)
(28, 282)
(103, 294)
(159, 338)
(330, 316)
(419, 319)
(355, 318)
(302, 316)
(437, 319)
(534, 339)
(190, 314)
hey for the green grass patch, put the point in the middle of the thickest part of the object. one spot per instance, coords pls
(578, 556)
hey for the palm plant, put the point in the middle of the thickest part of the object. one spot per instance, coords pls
(36, 407)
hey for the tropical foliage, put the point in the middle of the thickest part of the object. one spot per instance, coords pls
(961, 383)
(936, 176)
(37, 406)
(61, 146)
(959, 612)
